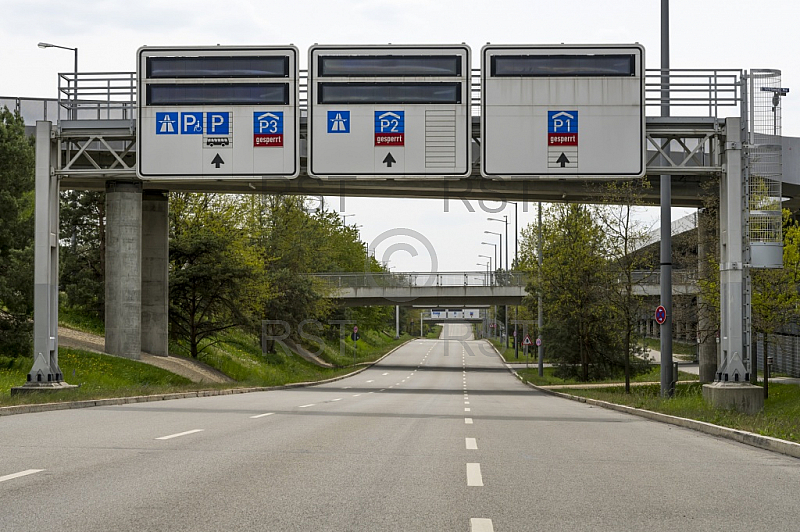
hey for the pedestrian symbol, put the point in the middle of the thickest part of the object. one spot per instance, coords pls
(338, 121)
(166, 123)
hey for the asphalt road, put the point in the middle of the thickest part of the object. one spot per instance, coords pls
(438, 436)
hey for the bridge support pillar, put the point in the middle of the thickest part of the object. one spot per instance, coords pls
(155, 272)
(123, 269)
(706, 328)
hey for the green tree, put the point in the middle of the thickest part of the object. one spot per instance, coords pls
(575, 282)
(215, 276)
(82, 252)
(17, 160)
(624, 234)
(775, 298)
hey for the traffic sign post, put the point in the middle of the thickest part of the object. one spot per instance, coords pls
(526, 342)
(221, 112)
(562, 111)
(398, 111)
(355, 337)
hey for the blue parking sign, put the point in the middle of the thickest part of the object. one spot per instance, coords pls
(218, 123)
(191, 123)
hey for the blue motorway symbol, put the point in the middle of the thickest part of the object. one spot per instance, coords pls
(270, 122)
(390, 121)
(338, 121)
(562, 121)
(218, 123)
(191, 123)
(167, 123)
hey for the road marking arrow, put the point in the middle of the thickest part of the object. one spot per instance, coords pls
(389, 160)
(218, 161)
(562, 160)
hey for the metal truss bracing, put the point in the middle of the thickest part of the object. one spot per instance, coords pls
(681, 146)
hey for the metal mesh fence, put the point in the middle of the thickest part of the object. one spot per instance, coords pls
(784, 350)
(764, 187)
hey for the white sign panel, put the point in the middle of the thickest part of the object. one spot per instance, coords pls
(221, 112)
(389, 111)
(563, 111)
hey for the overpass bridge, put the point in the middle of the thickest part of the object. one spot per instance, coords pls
(440, 289)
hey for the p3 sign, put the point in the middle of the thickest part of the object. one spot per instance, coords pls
(267, 129)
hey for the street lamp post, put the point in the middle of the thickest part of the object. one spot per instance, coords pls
(495, 255)
(505, 221)
(503, 279)
(500, 238)
(74, 113)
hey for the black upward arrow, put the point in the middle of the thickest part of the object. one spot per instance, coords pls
(218, 161)
(561, 160)
(389, 160)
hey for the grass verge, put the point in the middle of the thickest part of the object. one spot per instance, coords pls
(99, 376)
(549, 379)
(779, 419)
(237, 354)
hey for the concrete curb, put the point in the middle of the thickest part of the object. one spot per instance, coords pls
(88, 403)
(748, 438)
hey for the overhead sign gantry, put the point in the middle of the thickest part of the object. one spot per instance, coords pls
(221, 112)
(389, 111)
(562, 111)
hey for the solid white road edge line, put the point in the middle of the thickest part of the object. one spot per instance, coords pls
(474, 477)
(480, 525)
(472, 444)
(180, 434)
(20, 474)
(262, 415)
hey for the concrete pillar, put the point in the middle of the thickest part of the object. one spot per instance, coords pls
(124, 269)
(707, 326)
(155, 272)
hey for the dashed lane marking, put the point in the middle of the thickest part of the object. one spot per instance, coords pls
(178, 435)
(477, 524)
(25, 473)
(474, 477)
(305, 406)
(262, 415)
(468, 421)
(472, 444)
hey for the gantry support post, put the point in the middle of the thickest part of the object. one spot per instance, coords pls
(45, 373)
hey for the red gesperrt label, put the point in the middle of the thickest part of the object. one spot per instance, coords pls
(390, 139)
(262, 140)
(562, 139)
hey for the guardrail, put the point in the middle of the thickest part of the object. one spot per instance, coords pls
(422, 279)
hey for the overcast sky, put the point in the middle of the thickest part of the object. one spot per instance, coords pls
(704, 34)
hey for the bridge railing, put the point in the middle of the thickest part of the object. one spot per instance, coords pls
(421, 279)
(112, 95)
(653, 277)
